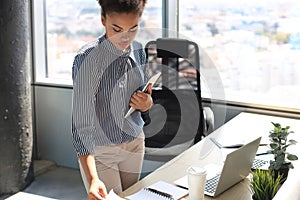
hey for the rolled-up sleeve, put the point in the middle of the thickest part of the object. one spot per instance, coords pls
(83, 108)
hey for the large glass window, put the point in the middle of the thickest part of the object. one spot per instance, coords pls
(72, 23)
(254, 45)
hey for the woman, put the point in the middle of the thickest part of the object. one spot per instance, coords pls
(106, 76)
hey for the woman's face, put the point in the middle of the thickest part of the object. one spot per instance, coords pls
(121, 28)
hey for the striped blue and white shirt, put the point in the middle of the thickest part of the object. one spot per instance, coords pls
(104, 78)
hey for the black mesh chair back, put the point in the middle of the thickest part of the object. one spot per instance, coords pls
(177, 113)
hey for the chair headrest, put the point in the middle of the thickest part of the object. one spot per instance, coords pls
(172, 48)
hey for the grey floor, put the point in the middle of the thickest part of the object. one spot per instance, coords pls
(60, 183)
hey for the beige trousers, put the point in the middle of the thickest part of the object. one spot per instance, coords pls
(118, 166)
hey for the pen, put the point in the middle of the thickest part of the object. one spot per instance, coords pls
(216, 143)
(260, 154)
(221, 146)
(169, 196)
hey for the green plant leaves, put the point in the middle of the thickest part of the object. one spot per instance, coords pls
(263, 185)
(278, 146)
(292, 141)
(292, 157)
(274, 145)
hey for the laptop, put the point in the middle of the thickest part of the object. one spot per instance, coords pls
(237, 165)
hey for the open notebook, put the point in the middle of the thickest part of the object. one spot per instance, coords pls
(159, 191)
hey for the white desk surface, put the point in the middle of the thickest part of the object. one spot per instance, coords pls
(242, 128)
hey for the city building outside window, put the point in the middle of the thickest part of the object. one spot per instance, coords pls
(254, 45)
(71, 24)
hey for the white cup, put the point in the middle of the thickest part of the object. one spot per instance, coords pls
(196, 182)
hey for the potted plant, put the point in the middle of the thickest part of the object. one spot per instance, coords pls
(278, 147)
(262, 184)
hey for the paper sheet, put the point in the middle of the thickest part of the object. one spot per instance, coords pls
(113, 196)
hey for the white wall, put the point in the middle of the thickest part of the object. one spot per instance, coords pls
(53, 125)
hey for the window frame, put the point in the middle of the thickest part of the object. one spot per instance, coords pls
(39, 40)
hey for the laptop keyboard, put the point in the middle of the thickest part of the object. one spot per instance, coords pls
(211, 184)
(257, 163)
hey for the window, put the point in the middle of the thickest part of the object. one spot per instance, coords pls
(254, 45)
(250, 47)
(70, 24)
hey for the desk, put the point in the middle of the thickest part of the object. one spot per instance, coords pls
(242, 128)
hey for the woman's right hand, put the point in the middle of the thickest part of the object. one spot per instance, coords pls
(97, 190)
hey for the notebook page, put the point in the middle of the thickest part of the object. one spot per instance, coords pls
(145, 194)
(175, 191)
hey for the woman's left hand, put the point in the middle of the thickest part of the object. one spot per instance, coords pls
(142, 100)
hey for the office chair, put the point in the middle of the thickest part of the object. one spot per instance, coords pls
(178, 119)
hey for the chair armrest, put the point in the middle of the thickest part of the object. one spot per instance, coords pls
(209, 120)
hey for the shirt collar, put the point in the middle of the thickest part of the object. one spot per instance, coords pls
(107, 44)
